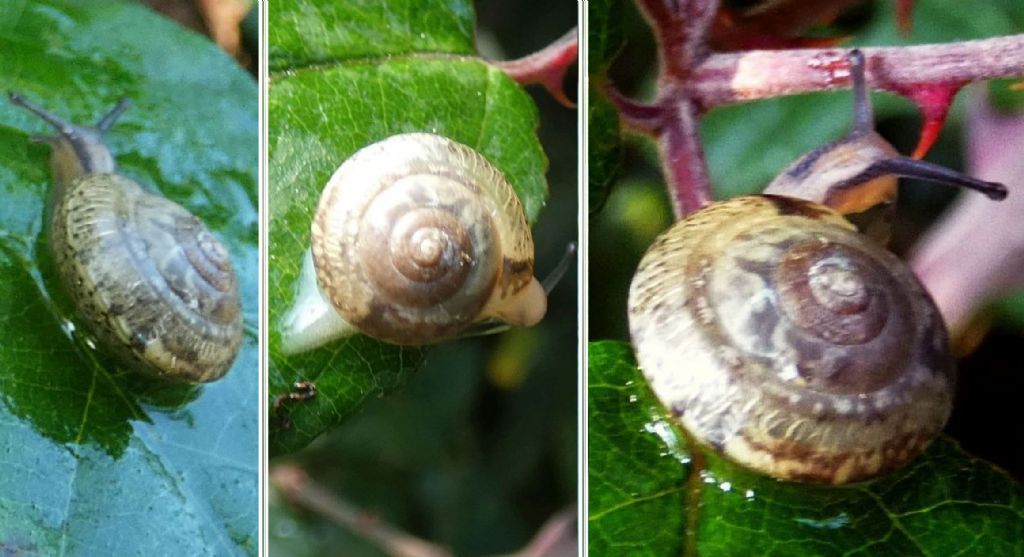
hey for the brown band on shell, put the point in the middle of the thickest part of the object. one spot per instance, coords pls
(515, 275)
(832, 291)
(793, 206)
(750, 297)
(399, 268)
(802, 462)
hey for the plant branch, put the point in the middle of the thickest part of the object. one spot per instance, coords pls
(546, 67)
(692, 80)
(636, 116)
(744, 76)
(556, 538)
(300, 490)
(683, 158)
(697, 15)
(681, 27)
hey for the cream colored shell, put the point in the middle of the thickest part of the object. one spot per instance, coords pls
(794, 346)
(417, 237)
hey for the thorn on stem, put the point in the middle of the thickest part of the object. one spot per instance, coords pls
(934, 101)
(546, 67)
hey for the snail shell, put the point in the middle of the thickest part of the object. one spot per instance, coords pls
(416, 238)
(787, 341)
(146, 276)
(790, 343)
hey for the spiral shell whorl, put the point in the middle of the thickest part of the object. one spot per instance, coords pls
(148, 277)
(790, 343)
(415, 235)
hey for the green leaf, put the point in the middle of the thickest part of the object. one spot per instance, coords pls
(97, 460)
(604, 148)
(309, 33)
(649, 495)
(347, 74)
(605, 34)
(604, 141)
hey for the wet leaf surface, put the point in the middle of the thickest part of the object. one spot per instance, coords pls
(644, 499)
(97, 460)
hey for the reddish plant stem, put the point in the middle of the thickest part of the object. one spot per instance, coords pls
(744, 76)
(636, 116)
(546, 67)
(681, 27)
(557, 538)
(697, 16)
(298, 488)
(693, 81)
(737, 77)
(673, 122)
(683, 158)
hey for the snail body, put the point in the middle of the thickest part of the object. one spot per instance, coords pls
(781, 337)
(149, 280)
(416, 239)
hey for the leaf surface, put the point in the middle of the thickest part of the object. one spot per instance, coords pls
(604, 141)
(651, 495)
(97, 460)
(345, 75)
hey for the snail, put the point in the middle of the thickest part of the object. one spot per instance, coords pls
(416, 239)
(148, 279)
(780, 337)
